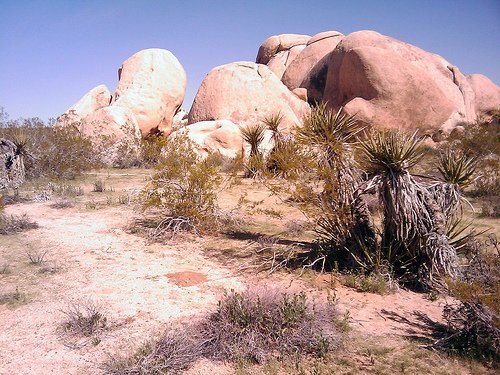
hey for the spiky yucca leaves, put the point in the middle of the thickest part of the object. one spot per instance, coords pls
(414, 224)
(327, 135)
(456, 170)
(273, 122)
(254, 135)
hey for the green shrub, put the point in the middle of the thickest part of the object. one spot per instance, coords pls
(55, 152)
(182, 192)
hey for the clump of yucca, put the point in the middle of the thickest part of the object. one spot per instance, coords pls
(413, 222)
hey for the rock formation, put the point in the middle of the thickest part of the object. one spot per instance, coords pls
(308, 70)
(115, 132)
(95, 99)
(278, 51)
(246, 93)
(388, 83)
(486, 94)
(221, 136)
(151, 84)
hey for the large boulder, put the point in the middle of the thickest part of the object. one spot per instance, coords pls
(115, 133)
(486, 94)
(151, 84)
(388, 83)
(308, 69)
(246, 93)
(95, 99)
(278, 51)
(221, 136)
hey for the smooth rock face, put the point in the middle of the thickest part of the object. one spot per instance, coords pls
(151, 84)
(278, 43)
(391, 84)
(279, 62)
(115, 132)
(486, 94)
(308, 69)
(95, 99)
(245, 93)
(221, 136)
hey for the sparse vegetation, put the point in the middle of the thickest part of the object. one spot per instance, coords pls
(247, 326)
(99, 186)
(10, 224)
(36, 256)
(84, 317)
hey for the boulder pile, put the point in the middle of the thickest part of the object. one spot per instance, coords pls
(386, 83)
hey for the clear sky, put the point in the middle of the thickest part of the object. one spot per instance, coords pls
(52, 52)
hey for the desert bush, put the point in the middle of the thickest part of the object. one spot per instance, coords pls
(36, 256)
(61, 203)
(372, 283)
(474, 322)
(10, 224)
(174, 352)
(481, 140)
(151, 150)
(13, 299)
(99, 186)
(182, 192)
(246, 326)
(56, 152)
(84, 317)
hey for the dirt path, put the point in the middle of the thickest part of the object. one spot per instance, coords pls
(141, 287)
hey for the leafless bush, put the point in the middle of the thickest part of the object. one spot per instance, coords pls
(473, 322)
(10, 224)
(61, 203)
(171, 354)
(84, 318)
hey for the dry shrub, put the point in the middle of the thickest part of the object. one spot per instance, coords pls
(474, 321)
(10, 224)
(174, 352)
(61, 203)
(253, 326)
(151, 150)
(246, 326)
(481, 140)
(84, 317)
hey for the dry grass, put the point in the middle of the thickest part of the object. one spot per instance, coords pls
(10, 224)
(250, 327)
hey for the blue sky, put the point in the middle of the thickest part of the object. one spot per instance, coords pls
(52, 52)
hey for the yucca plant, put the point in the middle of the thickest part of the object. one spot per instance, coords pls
(12, 170)
(413, 223)
(457, 171)
(273, 123)
(328, 135)
(254, 135)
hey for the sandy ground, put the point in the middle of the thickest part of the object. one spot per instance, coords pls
(142, 287)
